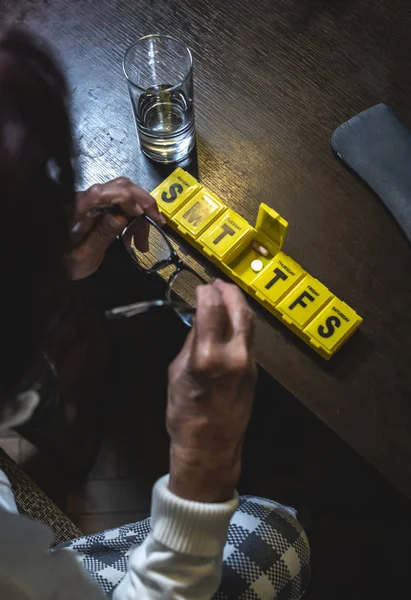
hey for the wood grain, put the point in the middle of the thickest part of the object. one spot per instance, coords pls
(272, 81)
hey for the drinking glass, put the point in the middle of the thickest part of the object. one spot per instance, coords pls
(159, 72)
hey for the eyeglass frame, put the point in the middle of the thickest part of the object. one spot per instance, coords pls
(173, 259)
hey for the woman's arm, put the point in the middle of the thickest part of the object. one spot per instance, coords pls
(182, 556)
(211, 388)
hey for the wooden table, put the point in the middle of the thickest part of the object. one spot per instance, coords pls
(272, 81)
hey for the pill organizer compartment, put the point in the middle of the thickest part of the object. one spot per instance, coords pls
(241, 264)
(270, 232)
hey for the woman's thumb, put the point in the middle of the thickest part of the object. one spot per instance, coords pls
(105, 232)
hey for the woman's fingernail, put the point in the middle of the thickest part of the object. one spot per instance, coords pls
(116, 221)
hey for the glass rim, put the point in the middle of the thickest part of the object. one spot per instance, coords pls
(151, 36)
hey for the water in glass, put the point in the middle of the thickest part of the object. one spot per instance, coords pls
(165, 123)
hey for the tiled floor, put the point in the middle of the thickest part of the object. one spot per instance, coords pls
(108, 498)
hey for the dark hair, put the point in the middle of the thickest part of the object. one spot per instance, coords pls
(36, 199)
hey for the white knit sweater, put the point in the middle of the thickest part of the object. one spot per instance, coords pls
(181, 558)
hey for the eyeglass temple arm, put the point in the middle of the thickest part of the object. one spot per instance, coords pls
(130, 310)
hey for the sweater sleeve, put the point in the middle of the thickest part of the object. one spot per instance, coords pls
(181, 559)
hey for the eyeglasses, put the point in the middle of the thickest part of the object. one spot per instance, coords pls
(182, 283)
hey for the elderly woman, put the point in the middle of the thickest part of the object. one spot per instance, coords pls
(188, 549)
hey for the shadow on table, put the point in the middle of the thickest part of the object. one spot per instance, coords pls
(190, 164)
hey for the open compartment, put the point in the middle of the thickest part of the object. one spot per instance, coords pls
(265, 242)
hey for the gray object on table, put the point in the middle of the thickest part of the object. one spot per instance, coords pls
(377, 146)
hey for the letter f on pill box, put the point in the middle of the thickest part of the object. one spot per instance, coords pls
(304, 301)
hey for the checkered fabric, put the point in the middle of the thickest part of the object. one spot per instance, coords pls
(266, 556)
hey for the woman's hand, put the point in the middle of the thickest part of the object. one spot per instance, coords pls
(210, 396)
(93, 233)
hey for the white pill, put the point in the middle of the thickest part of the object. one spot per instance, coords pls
(257, 265)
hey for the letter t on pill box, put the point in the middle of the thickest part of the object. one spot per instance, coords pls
(228, 232)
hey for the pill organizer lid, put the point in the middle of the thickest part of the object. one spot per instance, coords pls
(271, 227)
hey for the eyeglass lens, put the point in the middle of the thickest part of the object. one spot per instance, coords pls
(182, 289)
(182, 284)
(157, 249)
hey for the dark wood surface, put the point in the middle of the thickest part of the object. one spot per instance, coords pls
(272, 81)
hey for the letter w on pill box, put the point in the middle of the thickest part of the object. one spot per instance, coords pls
(253, 258)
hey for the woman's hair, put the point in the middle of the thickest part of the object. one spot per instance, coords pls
(36, 199)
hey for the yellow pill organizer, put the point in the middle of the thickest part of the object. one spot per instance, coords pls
(282, 286)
